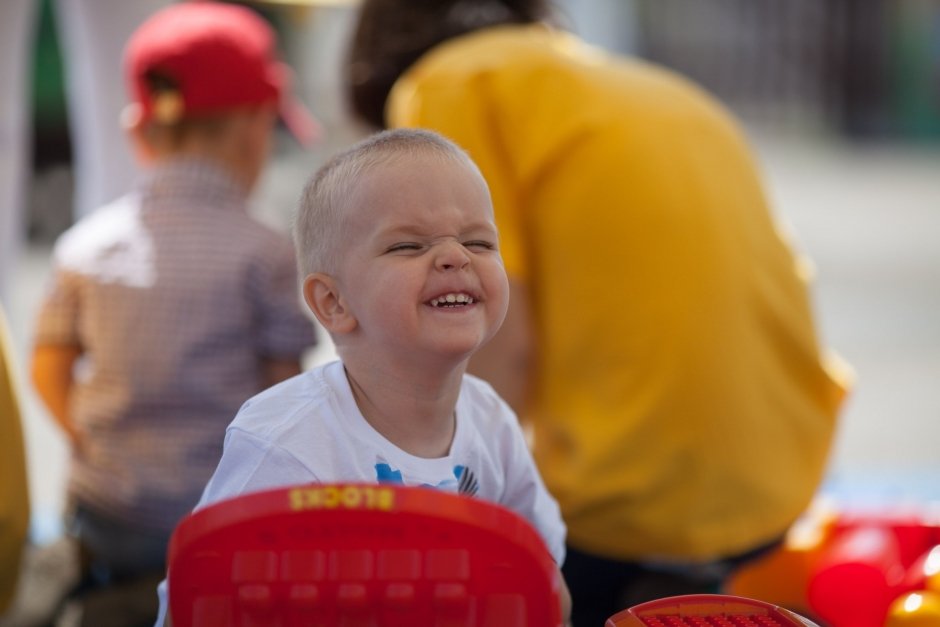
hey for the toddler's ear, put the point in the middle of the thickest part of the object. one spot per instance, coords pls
(322, 296)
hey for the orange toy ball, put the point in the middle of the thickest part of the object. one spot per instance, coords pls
(915, 609)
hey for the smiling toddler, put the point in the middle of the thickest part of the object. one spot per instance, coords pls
(400, 261)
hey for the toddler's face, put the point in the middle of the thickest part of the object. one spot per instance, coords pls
(423, 275)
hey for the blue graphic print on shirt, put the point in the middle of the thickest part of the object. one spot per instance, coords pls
(464, 481)
(385, 474)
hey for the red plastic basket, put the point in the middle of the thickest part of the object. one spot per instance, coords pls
(356, 554)
(706, 610)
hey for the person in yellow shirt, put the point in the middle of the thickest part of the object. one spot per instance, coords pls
(660, 341)
(14, 490)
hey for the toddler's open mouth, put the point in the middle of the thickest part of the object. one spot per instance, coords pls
(452, 299)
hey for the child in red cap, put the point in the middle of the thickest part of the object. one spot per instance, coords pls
(170, 307)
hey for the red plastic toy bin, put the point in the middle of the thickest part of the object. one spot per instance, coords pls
(357, 555)
(706, 610)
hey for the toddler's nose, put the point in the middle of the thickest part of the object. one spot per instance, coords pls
(452, 256)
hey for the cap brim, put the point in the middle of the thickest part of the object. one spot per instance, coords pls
(299, 121)
(293, 113)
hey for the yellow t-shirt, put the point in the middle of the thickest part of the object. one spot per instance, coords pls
(14, 497)
(682, 409)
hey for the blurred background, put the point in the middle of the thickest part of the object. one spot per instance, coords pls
(842, 102)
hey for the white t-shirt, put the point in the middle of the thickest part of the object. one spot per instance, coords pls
(309, 429)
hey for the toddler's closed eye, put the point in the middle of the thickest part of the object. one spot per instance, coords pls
(403, 246)
(481, 244)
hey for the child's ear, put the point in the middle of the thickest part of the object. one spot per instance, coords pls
(322, 296)
(132, 122)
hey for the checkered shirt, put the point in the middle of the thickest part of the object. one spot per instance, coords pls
(174, 294)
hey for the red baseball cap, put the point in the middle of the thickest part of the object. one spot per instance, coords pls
(203, 57)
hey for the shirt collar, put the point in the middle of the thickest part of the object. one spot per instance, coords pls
(193, 180)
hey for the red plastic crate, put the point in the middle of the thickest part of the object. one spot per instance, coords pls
(706, 610)
(354, 554)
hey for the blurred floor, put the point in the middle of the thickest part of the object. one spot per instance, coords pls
(869, 216)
